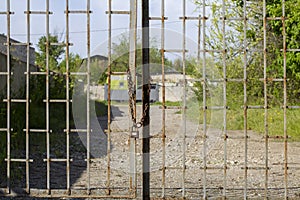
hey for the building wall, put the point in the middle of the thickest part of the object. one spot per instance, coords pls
(18, 52)
(18, 77)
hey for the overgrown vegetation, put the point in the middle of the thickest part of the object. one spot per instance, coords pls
(236, 63)
(37, 109)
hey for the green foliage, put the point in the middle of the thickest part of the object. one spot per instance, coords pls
(236, 63)
(55, 52)
(37, 112)
(292, 33)
(120, 58)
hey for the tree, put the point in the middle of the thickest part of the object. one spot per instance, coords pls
(292, 30)
(55, 53)
(120, 58)
(235, 42)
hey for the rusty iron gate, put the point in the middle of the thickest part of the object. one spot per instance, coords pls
(116, 156)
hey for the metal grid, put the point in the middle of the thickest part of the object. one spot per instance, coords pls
(203, 186)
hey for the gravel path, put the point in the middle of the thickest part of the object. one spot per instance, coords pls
(194, 173)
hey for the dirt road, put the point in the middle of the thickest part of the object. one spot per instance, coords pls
(213, 177)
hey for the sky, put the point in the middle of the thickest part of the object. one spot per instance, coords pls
(99, 23)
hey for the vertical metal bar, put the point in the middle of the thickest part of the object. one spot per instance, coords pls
(285, 103)
(199, 40)
(204, 100)
(27, 97)
(88, 98)
(265, 99)
(8, 95)
(224, 96)
(108, 97)
(68, 98)
(146, 95)
(184, 96)
(245, 101)
(132, 69)
(47, 96)
(163, 98)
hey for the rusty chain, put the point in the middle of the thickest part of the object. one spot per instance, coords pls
(132, 99)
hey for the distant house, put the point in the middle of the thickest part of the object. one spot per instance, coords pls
(119, 89)
(18, 66)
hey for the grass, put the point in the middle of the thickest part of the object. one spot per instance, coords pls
(256, 120)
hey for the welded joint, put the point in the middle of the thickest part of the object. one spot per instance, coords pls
(7, 13)
(39, 12)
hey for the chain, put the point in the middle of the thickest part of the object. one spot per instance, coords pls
(132, 98)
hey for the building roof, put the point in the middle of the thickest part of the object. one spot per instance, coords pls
(18, 52)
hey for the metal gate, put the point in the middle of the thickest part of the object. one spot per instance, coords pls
(143, 150)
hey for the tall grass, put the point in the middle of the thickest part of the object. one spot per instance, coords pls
(255, 120)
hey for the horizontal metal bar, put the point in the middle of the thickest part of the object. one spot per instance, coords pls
(236, 19)
(7, 13)
(206, 80)
(4, 73)
(272, 79)
(276, 137)
(275, 18)
(256, 107)
(38, 12)
(61, 44)
(173, 107)
(293, 50)
(213, 50)
(117, 73)
(293, 107)
(57, 100)
(36, 73)
(15, 100)
(213, 168)
(18, 160)
(78, 11)
(217, 80)
(292, 167)
(79, 73)
(214, 107)
(40, 73)
(120, 12)
(64, 194)
(38, 130)
(117, 130)
(190, 18)
(256, 168)
(17, 44)
(3, 129)
(57, 160)
(78, 130)
(158, 18)
(173, 168)
(175, 50)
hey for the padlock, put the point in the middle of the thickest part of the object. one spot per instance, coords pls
(134, 132)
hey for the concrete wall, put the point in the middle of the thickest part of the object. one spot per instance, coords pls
(19, 52)
(173, 93)
(18, 78)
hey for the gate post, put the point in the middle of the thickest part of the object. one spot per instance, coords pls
(146, 95)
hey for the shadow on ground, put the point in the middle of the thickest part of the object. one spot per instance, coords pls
(58, 150)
